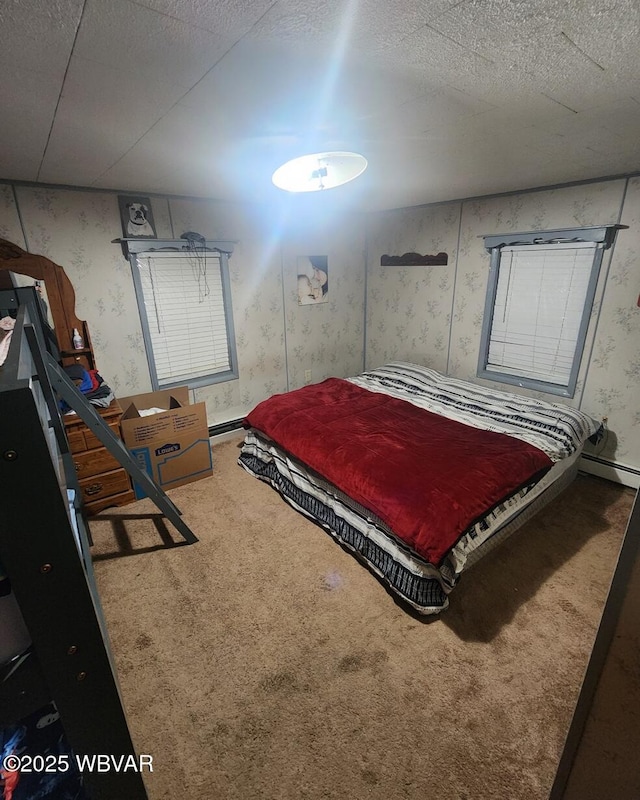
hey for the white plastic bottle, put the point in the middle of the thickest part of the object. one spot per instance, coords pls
(78, 344)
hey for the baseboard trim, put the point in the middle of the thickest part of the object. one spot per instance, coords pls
(611, 470)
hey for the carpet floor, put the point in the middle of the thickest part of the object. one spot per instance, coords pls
(266, 662)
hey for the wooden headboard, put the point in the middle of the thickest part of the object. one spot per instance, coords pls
(60, 295)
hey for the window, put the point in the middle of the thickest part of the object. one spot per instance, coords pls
(539, 299)
(185, 306)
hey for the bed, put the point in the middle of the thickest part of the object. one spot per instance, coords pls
(416, 473)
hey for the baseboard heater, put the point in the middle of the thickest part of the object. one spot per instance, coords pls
(226, 427)
(611, 470)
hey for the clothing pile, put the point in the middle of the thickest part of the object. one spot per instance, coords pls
(39, 738)
(91, 384)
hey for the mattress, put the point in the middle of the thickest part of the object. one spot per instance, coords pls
(422, 581)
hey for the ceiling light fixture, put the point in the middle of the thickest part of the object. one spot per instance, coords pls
(319, 171)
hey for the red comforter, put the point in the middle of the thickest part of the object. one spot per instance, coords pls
(427, 477)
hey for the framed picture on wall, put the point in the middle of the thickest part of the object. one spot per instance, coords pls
(137, 217)
(313, 280)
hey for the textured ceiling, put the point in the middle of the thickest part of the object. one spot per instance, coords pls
(445, 98)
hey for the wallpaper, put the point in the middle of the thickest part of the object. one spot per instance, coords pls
(372, 314)
(571, 207)
(256, 291)
(9, 220)
(433, 315)
(326, 339)
(276, 341)
(75, 229)
(409, 308)
(612, 385)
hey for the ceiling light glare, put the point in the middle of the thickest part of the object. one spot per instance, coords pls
(319, 171)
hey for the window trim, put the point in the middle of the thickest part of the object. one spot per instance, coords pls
(603, 236)
(224, 249)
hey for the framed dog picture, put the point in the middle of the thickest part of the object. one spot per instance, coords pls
(137, 217)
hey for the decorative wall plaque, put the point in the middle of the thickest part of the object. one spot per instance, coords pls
(414, 260)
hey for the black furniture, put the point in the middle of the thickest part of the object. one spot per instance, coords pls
(45, 551)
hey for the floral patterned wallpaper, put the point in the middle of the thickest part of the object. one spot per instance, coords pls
(326, 338)
(9, 220)
(409, 308)
(430, 315)
(276, 340)
(612, 384)
(570, 207)
(433, 315)
(75, 229)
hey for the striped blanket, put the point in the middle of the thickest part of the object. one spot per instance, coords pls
(557, 430)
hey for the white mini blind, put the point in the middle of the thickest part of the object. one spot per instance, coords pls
(538, 310)
(184, 304)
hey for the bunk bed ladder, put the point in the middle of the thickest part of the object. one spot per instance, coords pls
(87, 413)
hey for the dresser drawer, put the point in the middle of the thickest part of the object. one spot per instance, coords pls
(120, 499)
(101, 477)
(104, 485)
(93, 462)
(91, 440)
(81, 438)
(80, 435)
(76, 441)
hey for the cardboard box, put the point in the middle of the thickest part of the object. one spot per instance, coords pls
(171, 446)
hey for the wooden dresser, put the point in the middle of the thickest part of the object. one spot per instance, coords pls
(102, 479)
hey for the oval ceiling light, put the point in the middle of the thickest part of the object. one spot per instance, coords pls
(319, 171)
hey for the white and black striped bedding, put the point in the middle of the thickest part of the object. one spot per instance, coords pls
(419, 583)
(557, 430)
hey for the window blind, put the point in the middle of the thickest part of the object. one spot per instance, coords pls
(538, 309)
(184, 304)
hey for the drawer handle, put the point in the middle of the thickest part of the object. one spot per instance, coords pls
(93, 489)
